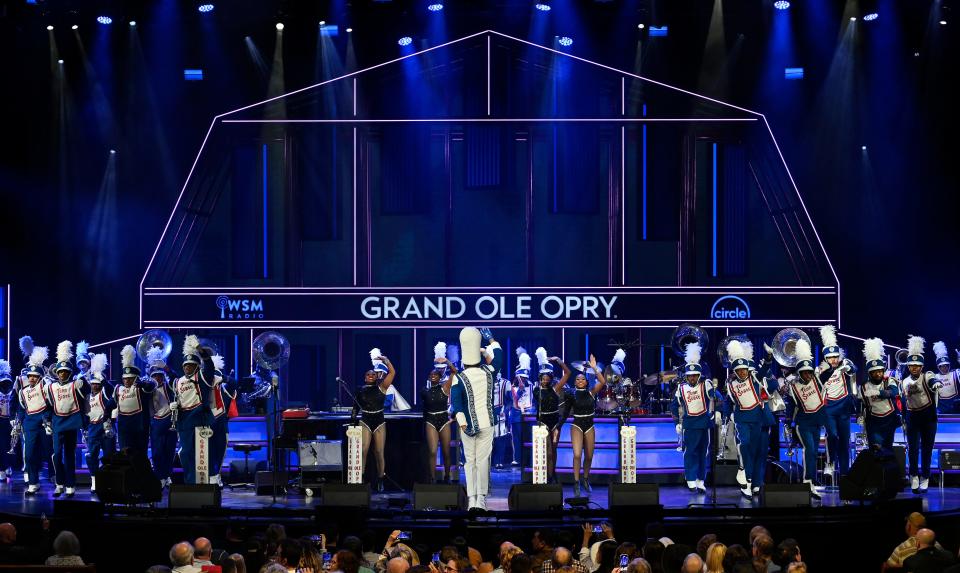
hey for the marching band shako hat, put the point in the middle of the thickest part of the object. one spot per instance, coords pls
(5, 371)
(470, 339)
(737, 355)
(915, 351)
(943, 355)
(804, 356)
(874, 355)
(155, 362)
(83, 352)
(98, 363)
(439, 351)
(64, 354)
(523, 366)
(379, 368)
(128, 357)
(616, 365)
(691, 357)
(545, 366)
(191, 350)
(828, 335)
(38, 355)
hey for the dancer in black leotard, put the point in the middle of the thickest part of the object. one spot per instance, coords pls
(582, 434)
(548, 395)
(436, 411)
(370, 402)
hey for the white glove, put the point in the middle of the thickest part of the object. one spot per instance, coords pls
(860, 420)
(174, 405)
(717, 419)
(48, 429)
(936, 385)
(679, 429)
(108, 429)
(15, 423)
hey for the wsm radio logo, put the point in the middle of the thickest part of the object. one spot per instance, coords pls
(730, 307)
(236, 309)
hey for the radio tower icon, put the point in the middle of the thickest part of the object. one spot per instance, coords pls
(222, 303)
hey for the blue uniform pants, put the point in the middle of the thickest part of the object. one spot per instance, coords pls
(98, 443)
(696, 447)
(809, 437)
(132, 433)
(163, 446)
(65, 457)
(33, 441)
(880, 431)
(838, 441)
(921, 433)
(752, 441)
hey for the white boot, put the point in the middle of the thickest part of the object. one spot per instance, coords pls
(700, 486)
(814, 490)
(746, 491)
(472, 502)
(57, 490)
(741, 477)
(924, 484)
(915, 484)
(828, 469)
(32, 489)
(756, 490)
(482, 502)
(692, 485)
(71, 491)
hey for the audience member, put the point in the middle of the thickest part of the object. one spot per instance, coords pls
(653, 553)
(158, 569)
(674, 556)
(345, 562)
(798, 567)
(914, 523)
(763, 553)
(521, 563)
(929, 558)
(240, 562)
(289, 553)
(13, 553)
(705, 542)
(542, 545)
(562, 557)
(736, 554)
(507, 551)
(398, 565)
(639, 565)
(66, 548)
(787, 552)
(758, 530)
(202, 550)
(181, 558)
(714, 557)
(692, 564)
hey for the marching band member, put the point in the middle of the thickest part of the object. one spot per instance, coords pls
(920, 416)
(8, 422)
(838, 376)
(548, 396)
(805, 411)
(521, 402)
(950, 380)
(100, 435)
(501, 431)
(471, 395)
(133, 415)
(583, 435)
(223, 394)
(744, 393)
(370, 402)
(436, 411)
(880, 416)
(773, 407)
(191, 408)
(163, 436)
(692, 409)
(34, 417)
(66, 395)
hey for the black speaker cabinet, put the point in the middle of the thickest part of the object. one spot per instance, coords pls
(126, 477)
(439, 496)
(633, 494)
(194, 496)
(87, 510)
(786, 495)
(535, 497)
(264, 482)
(874, 475)
(345, 495)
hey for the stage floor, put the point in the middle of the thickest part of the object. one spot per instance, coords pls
(672, 497)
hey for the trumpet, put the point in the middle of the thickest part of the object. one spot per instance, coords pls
(723, 441)
(15, 432)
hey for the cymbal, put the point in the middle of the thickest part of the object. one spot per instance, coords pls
(584, 366)
(659, 377)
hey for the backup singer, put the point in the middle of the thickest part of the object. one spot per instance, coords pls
(100, 407)
(436, 411)
(583, 435)
(548, 396)
(192, 407)
(471, 396)
(66, 395)
(370, 402)
(838, 376)
(805, 411)
(163, 438)
(878, 393)
(692, 408)
(133, 413)
(34, 418)
(948, 401)
(920, 416)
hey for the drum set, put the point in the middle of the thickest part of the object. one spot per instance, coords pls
(651, 394)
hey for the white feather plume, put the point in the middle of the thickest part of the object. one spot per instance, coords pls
(64, 351)
(191, 344)
(619, 355)
(915, 345)
(440, 350)
(748, 349)
(828, 335)
(541, 354)
(520, 350)
(4, 369)
(127, 356)
(98, 363)
(83, 347)
(873, 349)
(375, 355)
(218, 362)
(940, 349)
(155, 357)
(26, 345)
(803, 350)
(524, 361)
(38, 355)
(735, 350)
(691, 353)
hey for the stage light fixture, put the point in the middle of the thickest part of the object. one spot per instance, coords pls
(436, 7)
(943, 22)
(871, 17)
(205, 8)
(279, 25)
(542, 7)
(74, 27)
(405, 41)
(349, 30)
(863, 148)
(641, 26)
(105, 20)
(133, 23)
(853, 18)
(323, 22)
(566, 41)
(113, 152)
(49, 28)
(781, 4)
(60, 62)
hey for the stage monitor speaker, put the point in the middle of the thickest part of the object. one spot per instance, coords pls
(874, 475)
(439, 496)
(126, 477)
(633, 494)
(87, 510)
(786, 495)
(535, 497)
(726, 473)
(345, 495)
(194, 496)
(263, 482)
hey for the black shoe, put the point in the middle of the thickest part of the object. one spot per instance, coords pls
(380, 485)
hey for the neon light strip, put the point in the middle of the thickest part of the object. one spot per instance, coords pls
(488, 80)
(644, 175)
(863, 339)
(623, 206)
(347, 293)
(745, 289)
(251, 351)
(265, 213)
(236, 354)
(415, 373)
(537, 326)
(8, 323)
(506, 120)
(112, 341)
(354, 97)
(714, 209)
(586, 342)
(354, 206)
(445, 321)
(563, 343)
